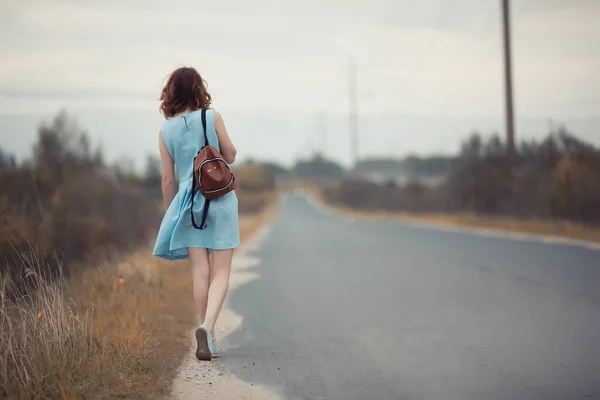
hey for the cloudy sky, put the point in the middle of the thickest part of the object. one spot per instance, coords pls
(429, 72)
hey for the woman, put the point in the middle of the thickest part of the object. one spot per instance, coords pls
(181, 137)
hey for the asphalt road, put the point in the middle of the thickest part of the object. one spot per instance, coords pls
(386, 310)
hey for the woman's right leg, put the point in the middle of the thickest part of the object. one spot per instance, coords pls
(221, 269)
(201, 280)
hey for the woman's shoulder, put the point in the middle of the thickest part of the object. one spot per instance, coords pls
(216, 115)
(198, 113)
(166, 125)
(211, 114)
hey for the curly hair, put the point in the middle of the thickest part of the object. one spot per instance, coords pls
(185, 90)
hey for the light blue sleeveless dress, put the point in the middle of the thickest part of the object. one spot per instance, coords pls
(183, 138)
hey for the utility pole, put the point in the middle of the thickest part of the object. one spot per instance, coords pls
(510, 123)
(353, 113)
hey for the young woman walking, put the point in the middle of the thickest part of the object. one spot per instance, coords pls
(185, 103)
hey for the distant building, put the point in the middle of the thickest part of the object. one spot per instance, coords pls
(402, 179)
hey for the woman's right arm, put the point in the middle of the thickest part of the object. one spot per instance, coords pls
(169, 181)
(227, 148)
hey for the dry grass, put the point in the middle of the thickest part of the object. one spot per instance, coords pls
(119, 330)
(115, 331)
(557, 228)
(46, 346)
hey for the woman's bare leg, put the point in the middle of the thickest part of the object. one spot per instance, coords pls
(200, 278)
(219, 284)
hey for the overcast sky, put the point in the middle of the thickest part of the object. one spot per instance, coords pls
(429, 72)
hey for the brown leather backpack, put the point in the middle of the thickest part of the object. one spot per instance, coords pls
(212, 175)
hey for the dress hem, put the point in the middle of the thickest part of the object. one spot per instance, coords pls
(169, 257)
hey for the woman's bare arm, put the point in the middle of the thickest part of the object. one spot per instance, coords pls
(168, 172)
(227, 148)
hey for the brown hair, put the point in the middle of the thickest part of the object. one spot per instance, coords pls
(185, 89)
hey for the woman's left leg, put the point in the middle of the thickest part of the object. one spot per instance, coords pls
(200, 279)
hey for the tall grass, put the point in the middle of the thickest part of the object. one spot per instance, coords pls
(47, 344)
(115, 330)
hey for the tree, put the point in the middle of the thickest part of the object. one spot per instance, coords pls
(62, 147)
(7, 160)
(125, 168)
(153, 170)
(319, 168)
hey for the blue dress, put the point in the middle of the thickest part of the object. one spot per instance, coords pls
(183, 138)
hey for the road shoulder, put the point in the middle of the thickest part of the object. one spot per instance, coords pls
(530, 230)
(210, 380)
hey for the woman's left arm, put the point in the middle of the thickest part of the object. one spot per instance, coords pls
(168, 172)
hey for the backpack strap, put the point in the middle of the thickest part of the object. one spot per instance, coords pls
(204, 211)
(195, 184)
(199, 142)
(203, 117)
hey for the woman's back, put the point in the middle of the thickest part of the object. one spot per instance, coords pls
(183, 136)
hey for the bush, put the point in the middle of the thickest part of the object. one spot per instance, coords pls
(255, 185)
(67, 205)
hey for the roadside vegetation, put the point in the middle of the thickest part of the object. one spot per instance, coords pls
(552, 187)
